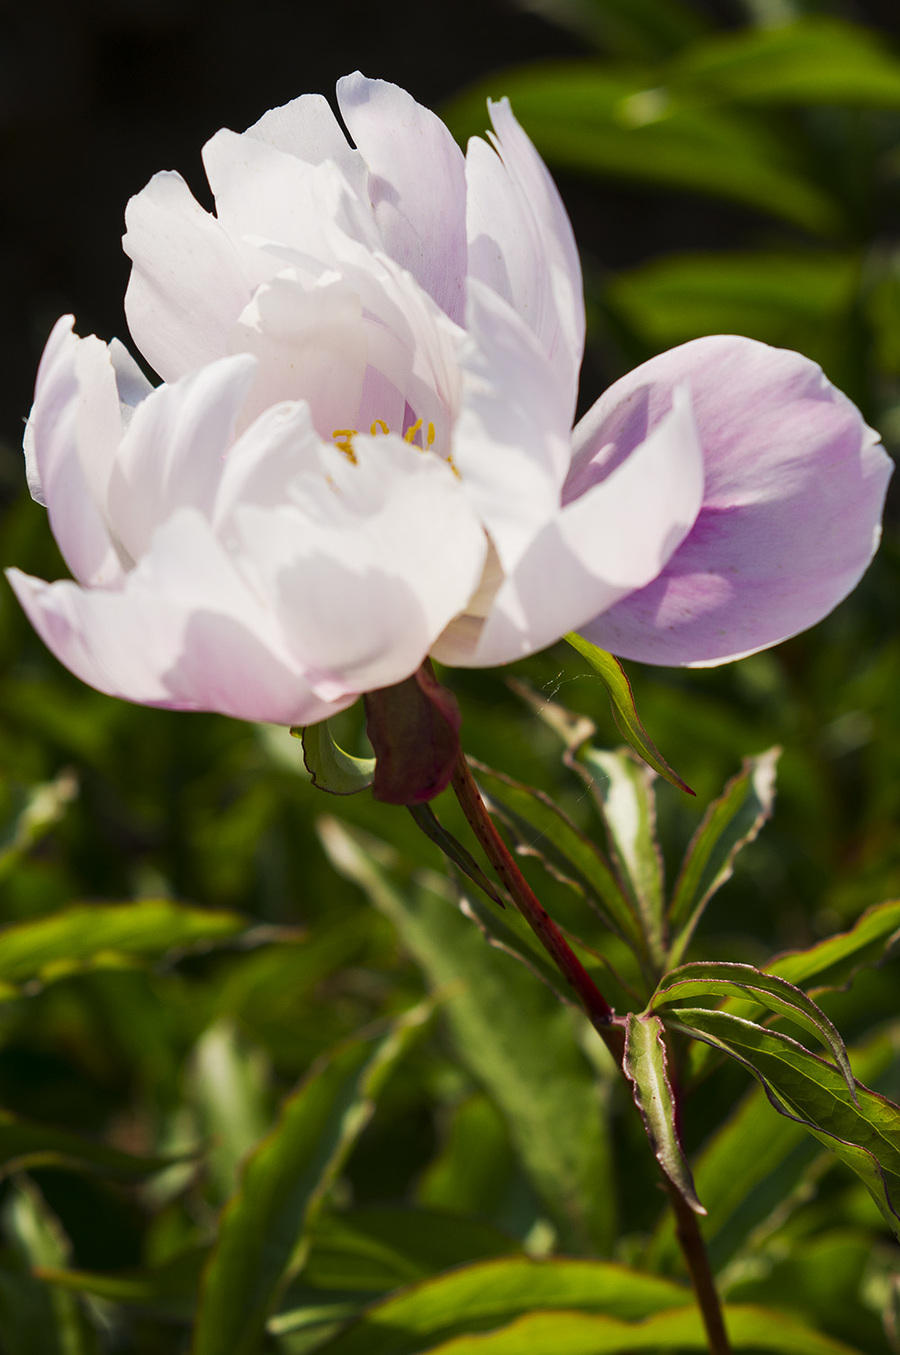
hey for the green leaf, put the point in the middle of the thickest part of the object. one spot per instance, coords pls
(722, 979)
(753, 1165)
(794, 300)
(228, 1084)
(624, 709)
(729, 824)
(263, 1231)
(168, 1289)
(627, 28)
(428, 821)
(624, 791)
(482, 1297)
(25, 1144)
(382, 1249)
(597, 118)
(541, 1333)
(329, 766)
(645, 1067)
(815, 60)
(865, 1134)
(108, 934)
(510, 1031)
(38, 1238)
(43, 806)
(540, 828)
(834, 963)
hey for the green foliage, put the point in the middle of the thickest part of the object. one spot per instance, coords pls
(179, 957)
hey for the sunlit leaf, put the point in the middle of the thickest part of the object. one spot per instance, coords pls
(624, 710)
(262, 1237)
(835, 962)
(43, 806)
(108, 934)
(624, 791)
(865, 1134)
(645, 1067)
(480, 1297)
(544, 1333)
(716, 980)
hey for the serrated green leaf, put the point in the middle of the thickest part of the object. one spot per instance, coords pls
(262, 1237)
(540, 1333)
(491, 1001)
(624, 791)
(730, 823)
(814, 60)
(475, 1298)
(721, 979)
(833, 963)
(541, 828)
(595, 117)
(624, 710)
(645, 1067)
(108, 934)
(329, 766)
(865, 1134)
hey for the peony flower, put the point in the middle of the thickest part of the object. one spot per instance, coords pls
(362, 450)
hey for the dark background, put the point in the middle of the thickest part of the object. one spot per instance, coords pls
(97, 95)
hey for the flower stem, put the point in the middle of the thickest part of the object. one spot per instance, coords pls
(599, 1011)
(693, 1249)
(603, 1020)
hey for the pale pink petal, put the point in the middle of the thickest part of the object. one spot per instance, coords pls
(416, 184)
(260, 466)
(511, 440)
(369, 563)
(182, 633)
(70, 439)
(190, 279)
(795, 483)
(613, 539)
(173, 452)
(521, 243)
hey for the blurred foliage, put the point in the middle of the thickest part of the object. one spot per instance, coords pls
(251, 1106)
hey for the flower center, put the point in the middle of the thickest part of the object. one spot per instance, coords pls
(343, 437)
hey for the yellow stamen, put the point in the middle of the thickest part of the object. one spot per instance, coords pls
(379, 423)
(343, 440)
(430, 441)
(411, 432)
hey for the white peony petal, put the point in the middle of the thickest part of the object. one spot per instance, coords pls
(521, 243)
(190, 279)
(70, 439)
(172, 453)
(369, 564)
(416, 184)
(511, 440)
(307, 128)
(310, 345)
